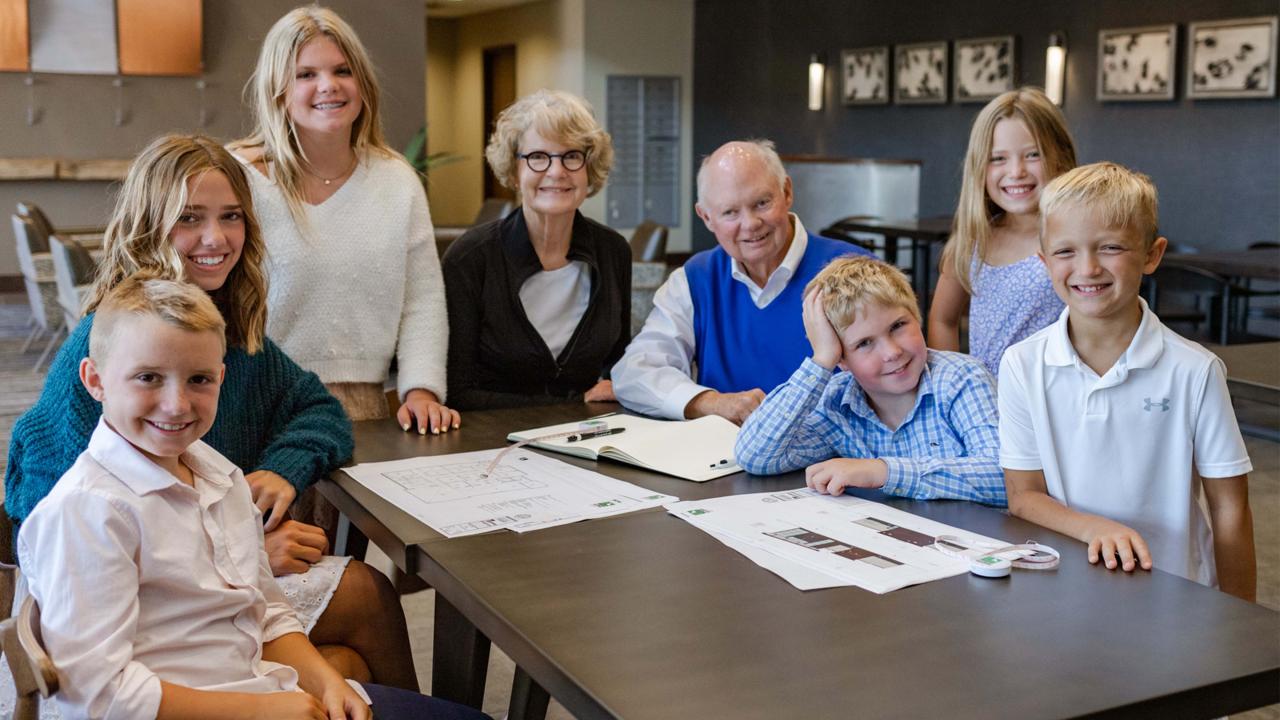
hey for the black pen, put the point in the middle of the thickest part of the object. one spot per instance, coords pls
(589, 434)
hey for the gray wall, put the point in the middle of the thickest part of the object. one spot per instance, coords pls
(1216, 163)
(77, 111)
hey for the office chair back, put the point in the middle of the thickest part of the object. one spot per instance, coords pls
(649, 242)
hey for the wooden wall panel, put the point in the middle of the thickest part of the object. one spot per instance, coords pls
(14, 48)
(160, 37)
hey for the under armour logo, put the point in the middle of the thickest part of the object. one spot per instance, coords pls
(1148, 405)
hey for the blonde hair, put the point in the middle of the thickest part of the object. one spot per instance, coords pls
(151, 201)
(764, 150)
(177, 303)
(267, 95)
(850, 283)
(976, 211)
(555, 115)
(1119, 197)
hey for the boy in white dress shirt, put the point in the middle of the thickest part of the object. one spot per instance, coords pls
(147, 557)
(1114, 429)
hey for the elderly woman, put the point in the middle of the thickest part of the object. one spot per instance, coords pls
(539, 301)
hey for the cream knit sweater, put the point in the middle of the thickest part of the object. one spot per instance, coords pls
(361, 283)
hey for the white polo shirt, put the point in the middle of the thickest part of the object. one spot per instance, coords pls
(1131, 445)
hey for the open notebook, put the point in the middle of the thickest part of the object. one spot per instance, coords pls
(697, 450)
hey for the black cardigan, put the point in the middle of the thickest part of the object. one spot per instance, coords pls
(496, 356)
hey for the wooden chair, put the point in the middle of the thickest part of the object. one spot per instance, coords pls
(34, 675)
(649, 242)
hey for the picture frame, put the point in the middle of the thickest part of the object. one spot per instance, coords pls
(984, 68)
(1137, 64)
(864, 75)
(920, 73)
(1232, 58)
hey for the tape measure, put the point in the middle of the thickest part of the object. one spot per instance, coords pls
(997, 561)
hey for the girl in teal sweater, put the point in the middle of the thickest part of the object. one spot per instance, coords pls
(185, 211)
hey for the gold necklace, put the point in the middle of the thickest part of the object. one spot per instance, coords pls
(329, 181)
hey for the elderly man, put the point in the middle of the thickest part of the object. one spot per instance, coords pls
(733, 313)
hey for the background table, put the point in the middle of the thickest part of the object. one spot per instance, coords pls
(1262, 264)
(923, 233)
(645, 616)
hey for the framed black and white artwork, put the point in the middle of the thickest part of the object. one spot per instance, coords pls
(864, 75)
(984, 68)
(1232, 58)
(920, 73)
(1137, 63)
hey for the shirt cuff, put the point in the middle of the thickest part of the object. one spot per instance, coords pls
(812, 376)
(1017, 462)
(678, 397)
(902, 478)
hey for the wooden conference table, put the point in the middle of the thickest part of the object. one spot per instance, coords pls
(645, 616)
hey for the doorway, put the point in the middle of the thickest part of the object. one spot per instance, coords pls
(499, 93)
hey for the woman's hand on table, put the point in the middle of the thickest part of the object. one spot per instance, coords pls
(422, 408)
(600, 392)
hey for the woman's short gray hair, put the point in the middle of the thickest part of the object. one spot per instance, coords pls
(556, 115)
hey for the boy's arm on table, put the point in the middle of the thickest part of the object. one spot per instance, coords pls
(1029, 499)
(785, 433)
(1232, 523)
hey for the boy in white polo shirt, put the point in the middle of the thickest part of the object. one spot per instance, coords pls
(1114, 429)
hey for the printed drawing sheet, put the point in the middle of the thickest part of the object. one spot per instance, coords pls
(526, 491)
(816, 541)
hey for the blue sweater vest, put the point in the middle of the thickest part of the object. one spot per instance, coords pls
(740, 346)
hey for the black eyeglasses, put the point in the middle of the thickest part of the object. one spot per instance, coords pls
(539, 161)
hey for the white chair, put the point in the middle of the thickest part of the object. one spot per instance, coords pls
(36, 264)
(73, 270)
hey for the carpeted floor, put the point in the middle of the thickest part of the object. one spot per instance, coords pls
(19, 388)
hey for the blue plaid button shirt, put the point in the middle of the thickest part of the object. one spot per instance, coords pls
(948, 446)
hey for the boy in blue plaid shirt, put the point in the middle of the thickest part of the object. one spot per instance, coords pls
(911, 421)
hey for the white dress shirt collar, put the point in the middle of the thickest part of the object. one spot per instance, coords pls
(143, 476)
(778, 279)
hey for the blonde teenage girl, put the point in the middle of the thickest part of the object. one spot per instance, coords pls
(355, 278)
(990, 266)
(185, 212)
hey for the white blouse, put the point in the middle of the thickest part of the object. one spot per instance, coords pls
(555, 301)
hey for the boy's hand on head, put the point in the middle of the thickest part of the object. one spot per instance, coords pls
(422, 408)
(827, 349)
(1109, 539)
(833, 476)
(272, 494)
(294, 547)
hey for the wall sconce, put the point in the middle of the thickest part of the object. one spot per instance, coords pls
(817, 80)
(1055, 67)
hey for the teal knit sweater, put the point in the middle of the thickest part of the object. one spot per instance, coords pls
(272, 415)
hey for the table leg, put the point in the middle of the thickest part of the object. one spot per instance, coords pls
(528, 699)
(920, 272)
(349, 540)
(460, 657)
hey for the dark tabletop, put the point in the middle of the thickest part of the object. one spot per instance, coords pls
(935, 229)
(1263, 264)
(645, 616)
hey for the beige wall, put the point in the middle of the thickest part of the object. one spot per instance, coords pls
(644, 37)
(548, 40)
(76, 111)
(562, 44)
